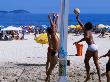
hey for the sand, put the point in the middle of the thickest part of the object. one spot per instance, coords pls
(24, 60)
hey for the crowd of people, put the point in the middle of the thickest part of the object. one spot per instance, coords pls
(10, 35)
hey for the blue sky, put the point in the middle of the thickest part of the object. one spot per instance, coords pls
(46, 6)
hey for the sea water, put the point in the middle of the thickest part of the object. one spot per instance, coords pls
(42, 19)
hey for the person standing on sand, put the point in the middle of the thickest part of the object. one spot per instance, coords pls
(107, 66)
(52, 54)
(102, 33)
(92, 50)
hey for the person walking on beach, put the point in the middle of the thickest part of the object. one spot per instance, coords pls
(107, 66)
(52, 55)
(92, 50)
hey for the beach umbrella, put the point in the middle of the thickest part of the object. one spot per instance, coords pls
(1, 27)
(101, 26)
(108, 27)
(44, 26)
(78, 27)
(72, 26)
(9, 28)
(42, 38)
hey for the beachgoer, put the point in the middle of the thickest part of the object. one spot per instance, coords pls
(92, 50)
(102, 33)
(35, 32)
(107, 66)
(52, 54)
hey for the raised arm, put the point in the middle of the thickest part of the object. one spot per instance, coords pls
(50, 19)
(53, 18)
(79, 21)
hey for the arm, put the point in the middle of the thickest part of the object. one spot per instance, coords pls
(108, 54)
(102, 56)
(53, 21)
(79, 41)
(79, 21)
(54, 24)
(56, 21)
(56, 18)
(50, 19)
(48, 39)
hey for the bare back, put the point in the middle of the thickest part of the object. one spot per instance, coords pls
(88, 37)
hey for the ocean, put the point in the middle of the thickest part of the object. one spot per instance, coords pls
(42, 19)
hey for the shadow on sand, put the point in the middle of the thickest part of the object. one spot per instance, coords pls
(25, 64)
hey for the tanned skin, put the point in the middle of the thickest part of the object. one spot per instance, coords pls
(107, 54)
(53, 44)
(88, 38)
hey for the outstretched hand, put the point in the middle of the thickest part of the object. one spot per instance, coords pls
(99, 58)
(50, 15)
(53, 17)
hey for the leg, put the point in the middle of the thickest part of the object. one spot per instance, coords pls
(108, 78)
(88, 55)
(108, 71)
(53, 62)
(95, 58)
(48, 60)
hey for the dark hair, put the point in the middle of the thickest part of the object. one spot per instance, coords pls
(88, 26)
(49, 30)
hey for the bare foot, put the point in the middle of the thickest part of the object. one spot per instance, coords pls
(88, 78)
(47, 79)
(99, 80)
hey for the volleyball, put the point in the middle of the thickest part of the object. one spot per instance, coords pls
(77, 11)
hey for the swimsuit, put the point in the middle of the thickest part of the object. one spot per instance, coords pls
(54, 53)
(92, 47)
(49, 50)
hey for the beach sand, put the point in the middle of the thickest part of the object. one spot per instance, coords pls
(24, 60)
